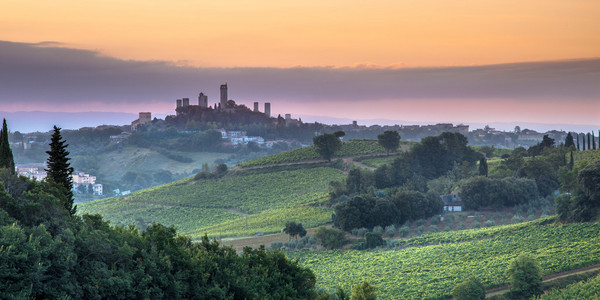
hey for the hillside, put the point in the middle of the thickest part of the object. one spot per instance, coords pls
(355, 147)
(409, 270)
(243, 202)
(239, 204)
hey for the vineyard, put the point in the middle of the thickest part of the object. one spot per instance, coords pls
(351, 148)
(265, 201)
(450, 257)
(589, 289)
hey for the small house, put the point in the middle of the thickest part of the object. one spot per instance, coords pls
(452, 202)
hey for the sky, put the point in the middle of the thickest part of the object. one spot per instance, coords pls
(470, 61)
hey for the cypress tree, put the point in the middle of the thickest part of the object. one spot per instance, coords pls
(571, 162)
(589, 142)
(578, 142)
(583, 142)
(59, 169)
(6, 155)
(569, 140)
(483, 167)
(593, 141)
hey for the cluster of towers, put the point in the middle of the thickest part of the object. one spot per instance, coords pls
(203, 101)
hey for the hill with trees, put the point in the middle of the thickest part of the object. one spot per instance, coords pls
(47, 252)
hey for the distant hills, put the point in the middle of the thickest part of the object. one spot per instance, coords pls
(31, 121)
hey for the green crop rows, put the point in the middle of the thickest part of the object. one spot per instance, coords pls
(193, 206)
(351, 148)
(431, 271)
(588, 289)
(270, 221)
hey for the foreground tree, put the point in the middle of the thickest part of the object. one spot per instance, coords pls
(6, 155)
(525, 277)
(59, 169)
(390, 140)
(327, 144)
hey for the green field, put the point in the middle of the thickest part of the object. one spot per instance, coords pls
(264, 201)
(450, 257)
(351, 148)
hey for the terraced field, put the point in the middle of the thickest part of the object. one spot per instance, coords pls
(450, 257)
(264, 201)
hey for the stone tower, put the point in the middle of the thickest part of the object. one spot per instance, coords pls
(268, 109)
(255, 106)
(202, 100)
(223, 96)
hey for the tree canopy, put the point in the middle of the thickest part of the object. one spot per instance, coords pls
(327, 144)
(390, 140)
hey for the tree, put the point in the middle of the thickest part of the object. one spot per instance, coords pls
(6, 156)
(578, 141)
(59, 169)
(470, 289)
(569, 140)
(294, 229)
(390, 140)
(326, 145)
(525, 277)
(483, 167)
(363, 291)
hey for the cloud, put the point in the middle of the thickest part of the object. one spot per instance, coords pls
(49, 76)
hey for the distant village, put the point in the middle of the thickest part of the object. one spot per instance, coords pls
(82, 183)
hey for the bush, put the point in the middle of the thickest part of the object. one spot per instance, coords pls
(363, 291)
(404, 231)
(361, 232)
(276, 245)
(390, 231)
(517, 219)
(434, 220)
(470, 289)
(374, 240)
(489, 223)
(525, 277)
(378, 230)
(330, 238)
(354, 232)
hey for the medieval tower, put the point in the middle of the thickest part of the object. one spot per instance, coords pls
(223, 95)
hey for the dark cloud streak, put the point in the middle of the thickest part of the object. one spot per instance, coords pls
(47, 75)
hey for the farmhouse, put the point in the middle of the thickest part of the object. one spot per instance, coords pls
(452, 202)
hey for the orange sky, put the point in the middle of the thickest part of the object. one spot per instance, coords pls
(313, 33)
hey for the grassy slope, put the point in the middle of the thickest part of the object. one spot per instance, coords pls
(431, 271)
(263, 201)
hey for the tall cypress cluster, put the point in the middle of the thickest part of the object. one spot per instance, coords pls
(59, 169)
(6, 155)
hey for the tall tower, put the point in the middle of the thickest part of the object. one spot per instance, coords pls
(186, 102)
(255, 106)
(223, 95)
(202, 100)
(268, 109)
